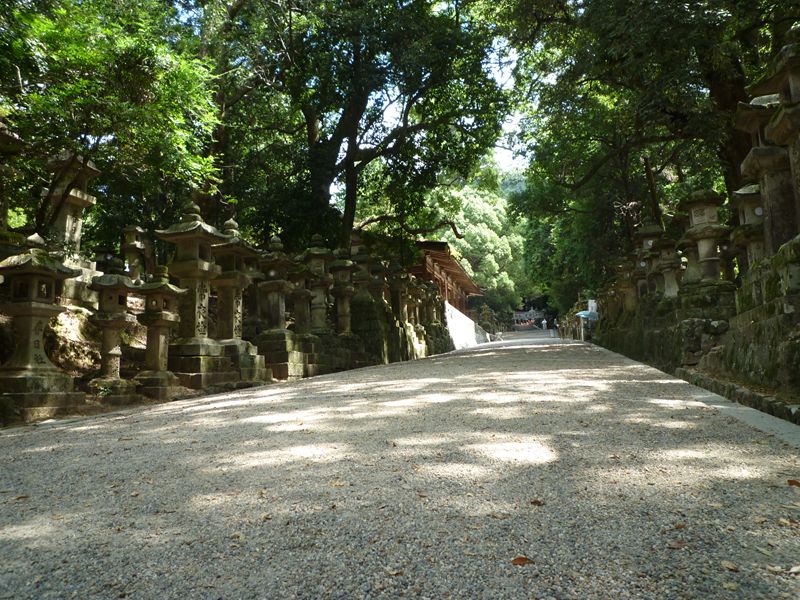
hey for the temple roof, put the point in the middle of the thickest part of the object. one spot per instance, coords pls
(440, 254)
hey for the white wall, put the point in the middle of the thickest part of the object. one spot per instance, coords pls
(464, 332)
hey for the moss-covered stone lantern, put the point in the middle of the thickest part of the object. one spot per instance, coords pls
(195, 358)
(31, 387)
(112, 317)
(160, 315)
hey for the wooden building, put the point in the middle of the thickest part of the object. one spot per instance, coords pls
(438, 265)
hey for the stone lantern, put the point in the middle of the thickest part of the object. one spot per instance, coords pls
(235, 257)
(705, 230)
(769, 165)
(784, 128)
(317, 258)
(342, 269)
(133, 249)
(275, 265)
(31, 387)
(750, 232)
(160, 315)
(112, 317)
(195, 358)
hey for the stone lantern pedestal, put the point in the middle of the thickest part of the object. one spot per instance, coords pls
(234, 257)
(667, 266)
(31, 387)
(112, 317)
(161, 301)
(194, 357)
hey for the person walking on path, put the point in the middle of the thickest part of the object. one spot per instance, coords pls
(544, 324)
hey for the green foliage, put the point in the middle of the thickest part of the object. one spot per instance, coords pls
(628, 107)
(107, 81)
(492, 247)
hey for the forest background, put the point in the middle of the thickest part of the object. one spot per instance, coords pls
(305, 116)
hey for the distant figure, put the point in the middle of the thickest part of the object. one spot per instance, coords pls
(544, 323)
(554, 329)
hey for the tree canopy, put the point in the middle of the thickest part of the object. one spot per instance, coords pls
(303, 116)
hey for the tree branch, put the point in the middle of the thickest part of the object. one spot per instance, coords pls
(419, 231)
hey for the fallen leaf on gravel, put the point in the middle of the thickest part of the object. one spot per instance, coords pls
(764, 551)
(795, 570)
(21, 497)
(676, 545)
(729, 565)
(784, 522)
(237, 536)
(393, 572)
(615, 456)
(680, 525)
(134, 494)
(729, 585)
(337, 483)
(124, 439)
(521, 561)
(760, 520)
(775, 569)
(794, 482)
(715, 505)
(422, 494)
(266, 517)
(537, 502)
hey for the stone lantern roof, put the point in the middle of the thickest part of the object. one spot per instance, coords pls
(752, 116)
(234, 244)
(191, 226)
(785, 63)
(36, 261)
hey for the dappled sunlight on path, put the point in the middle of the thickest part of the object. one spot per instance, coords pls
(427, 476)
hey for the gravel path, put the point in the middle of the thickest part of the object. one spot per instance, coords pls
(423, 479)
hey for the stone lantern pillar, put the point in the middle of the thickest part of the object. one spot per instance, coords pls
(769, 165)
(646, 236)
(750, 232)
(68, 196)
(31, 387)
(378, 284)
(342, 269)
(112, 317)
(398, 285)
(668, 265)
(235, 257)
(195, 358)
(626, 286)
(301, 298)
(133, 249)
(275, 265)
(317, 258)
(160, 315)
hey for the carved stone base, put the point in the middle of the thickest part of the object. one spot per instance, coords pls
(114, 392)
